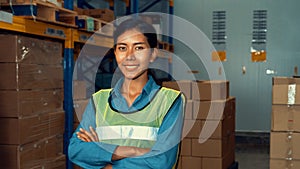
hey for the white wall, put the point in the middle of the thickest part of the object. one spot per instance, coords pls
(253, 89)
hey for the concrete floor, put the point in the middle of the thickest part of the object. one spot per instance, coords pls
(252, 156)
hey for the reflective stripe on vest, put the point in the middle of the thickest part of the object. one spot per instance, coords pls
(127, 132)
(138, 128)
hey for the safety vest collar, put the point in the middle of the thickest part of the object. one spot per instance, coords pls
(134, 111)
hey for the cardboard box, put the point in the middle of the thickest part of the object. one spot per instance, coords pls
(79, 107)
(210, 90)
(25, 130)
(213, 147)
(224, 128)
(286, 118)
(191, 162)
(286, 90)
(181, 85)
(56, 123)
(30, 76)
(218, 163)
(55, 162)
(188, 114)
(285, 145)
(221, 128)
(219, 109)
(283, 163)
(33, 155)
(191, 129)
(186, 147)
(285, 80)
(23, 49)
(54, 145)
(79, 90)
(30, 102)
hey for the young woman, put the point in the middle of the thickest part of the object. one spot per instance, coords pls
(136, 124)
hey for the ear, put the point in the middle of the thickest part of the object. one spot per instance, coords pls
(153, 55)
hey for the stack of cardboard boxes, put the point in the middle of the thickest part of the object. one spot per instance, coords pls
(285, 129)
(31, 106)
(80, 101)
(208, 139)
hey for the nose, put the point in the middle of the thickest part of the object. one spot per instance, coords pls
(130, 54)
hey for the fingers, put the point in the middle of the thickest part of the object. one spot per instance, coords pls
(95, 135)
(87, 136)
(84, 135)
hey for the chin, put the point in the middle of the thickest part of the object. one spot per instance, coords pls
(130, 77)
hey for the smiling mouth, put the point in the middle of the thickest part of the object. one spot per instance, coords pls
(130, 66)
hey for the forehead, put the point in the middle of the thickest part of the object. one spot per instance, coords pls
(132, 35)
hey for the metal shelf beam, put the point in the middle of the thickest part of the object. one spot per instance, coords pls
(149, 5)
(35, 27)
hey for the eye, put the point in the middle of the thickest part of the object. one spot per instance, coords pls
(138, 48)
(122, 48)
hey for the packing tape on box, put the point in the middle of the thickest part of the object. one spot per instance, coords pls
(291, 94)
(290, 119)
(289, 151)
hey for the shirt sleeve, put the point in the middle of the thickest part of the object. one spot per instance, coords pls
(165, 150)
(89, 154)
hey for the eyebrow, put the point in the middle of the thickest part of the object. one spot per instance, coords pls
(138, 43)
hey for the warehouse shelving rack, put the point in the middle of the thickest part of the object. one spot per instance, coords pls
(69, 35)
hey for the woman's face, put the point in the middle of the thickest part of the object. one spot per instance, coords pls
(133, 54)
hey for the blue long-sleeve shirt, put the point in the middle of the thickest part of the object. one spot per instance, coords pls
(162, 155)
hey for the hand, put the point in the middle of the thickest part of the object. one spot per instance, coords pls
(141, 151)
(128, 151)
(88, 136)
(108, 166)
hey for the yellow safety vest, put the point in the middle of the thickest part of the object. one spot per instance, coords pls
(139, 128)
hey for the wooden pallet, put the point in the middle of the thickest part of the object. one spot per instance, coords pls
(91, 24)
(42, 11)
(104, 27)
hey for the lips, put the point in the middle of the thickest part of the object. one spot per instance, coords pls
(131, 67)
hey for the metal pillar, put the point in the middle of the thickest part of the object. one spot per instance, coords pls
(68, 4)
(135, 6)
(68, 101)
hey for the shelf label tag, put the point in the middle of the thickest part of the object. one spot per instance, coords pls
(6, 17)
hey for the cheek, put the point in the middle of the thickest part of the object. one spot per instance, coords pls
(143, 54)
(119, 59)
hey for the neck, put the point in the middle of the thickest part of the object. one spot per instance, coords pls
(136, 85)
